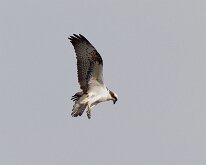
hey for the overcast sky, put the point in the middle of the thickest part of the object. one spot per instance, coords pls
(154, 59)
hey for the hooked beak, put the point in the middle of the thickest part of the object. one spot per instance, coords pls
(114, 101)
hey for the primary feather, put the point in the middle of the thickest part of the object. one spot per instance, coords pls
(90, 77)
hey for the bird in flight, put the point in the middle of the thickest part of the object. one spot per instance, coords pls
(90, 77)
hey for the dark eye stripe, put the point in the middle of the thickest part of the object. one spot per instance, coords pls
(112, 94)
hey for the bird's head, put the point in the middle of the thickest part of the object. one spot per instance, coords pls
(113, 96)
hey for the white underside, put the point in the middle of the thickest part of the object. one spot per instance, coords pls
(95, 95)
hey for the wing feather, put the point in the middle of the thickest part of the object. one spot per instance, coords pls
(89, 61)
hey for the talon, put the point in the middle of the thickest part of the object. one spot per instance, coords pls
(89, 114)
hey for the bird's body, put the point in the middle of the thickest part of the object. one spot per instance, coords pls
(90, 77)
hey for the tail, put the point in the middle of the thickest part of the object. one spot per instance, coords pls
(78, 109)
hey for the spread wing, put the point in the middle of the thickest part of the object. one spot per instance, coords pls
(89, 61)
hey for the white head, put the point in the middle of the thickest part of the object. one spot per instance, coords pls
(113, 96)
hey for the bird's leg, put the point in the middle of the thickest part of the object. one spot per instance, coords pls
(89, 112)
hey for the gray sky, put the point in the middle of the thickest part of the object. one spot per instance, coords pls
(154, 59)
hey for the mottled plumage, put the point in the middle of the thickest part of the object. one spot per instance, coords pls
(90, 77)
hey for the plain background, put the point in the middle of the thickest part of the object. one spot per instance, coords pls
(154, 59)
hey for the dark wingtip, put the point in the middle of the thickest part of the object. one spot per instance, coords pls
(81, 36)
(77, 37)
(71, 37)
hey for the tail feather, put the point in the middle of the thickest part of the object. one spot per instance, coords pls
(80, 104)
(78, 110)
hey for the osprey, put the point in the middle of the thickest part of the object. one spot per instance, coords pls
(90, 77)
